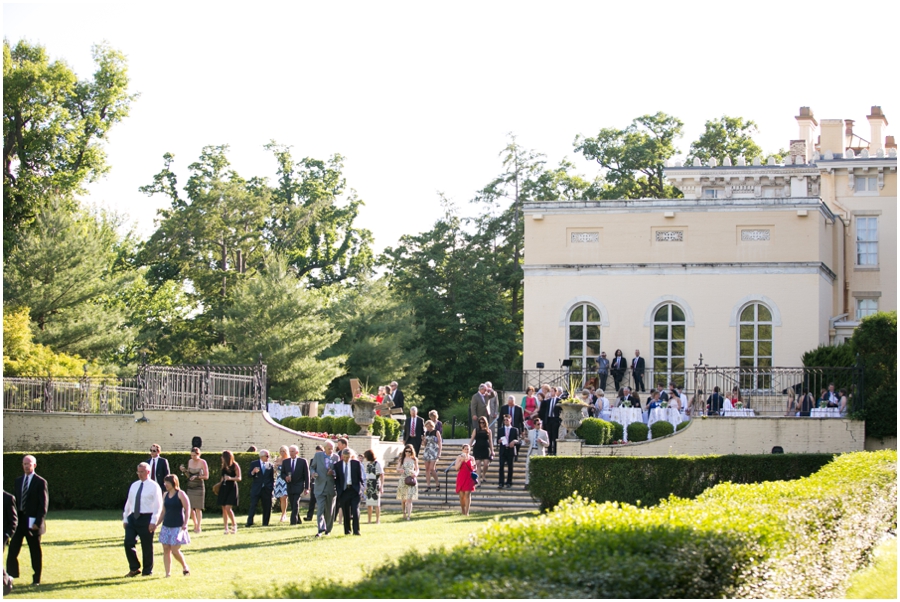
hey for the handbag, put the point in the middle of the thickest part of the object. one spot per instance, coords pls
(216, 488)
(474, 477)
(410, 481)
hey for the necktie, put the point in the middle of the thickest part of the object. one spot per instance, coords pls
(293, 463)
(25, 486)
(137, 501)
(153, 469)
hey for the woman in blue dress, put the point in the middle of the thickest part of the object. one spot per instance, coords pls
(280, 492)
(173, 517)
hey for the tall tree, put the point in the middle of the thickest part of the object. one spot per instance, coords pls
(53, 128)
(633, 159)
(276, 316)
(64, 271)
(379, 337)
(726, 136)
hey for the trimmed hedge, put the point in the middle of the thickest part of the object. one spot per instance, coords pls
(595, 431)
(647, 480)
(637, 431)
(386, 428)
(661, 428)
(99, 480)
(795, 539)
(682, 425)
(618, 433)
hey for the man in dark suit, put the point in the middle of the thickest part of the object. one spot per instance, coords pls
(10, 521)
(143, 505)
(349, 483)
(507, 437)
(549, 413)
(396, 395)
(295, 472)
(32, 500)
(414, 430)
(637, 370)
(617, 369)
(514, 412)
(311, 509)
(714, 403)
(262, 473)
(159, 466)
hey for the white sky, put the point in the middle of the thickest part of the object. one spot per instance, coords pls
(419, 97)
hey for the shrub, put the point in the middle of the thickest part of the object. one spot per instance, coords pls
(618, 431)
(797, 539)
(661, 428)
(595, 431)
(682, 425)
(326, 425)
(633, 479)
(637, 431)
(875, 340)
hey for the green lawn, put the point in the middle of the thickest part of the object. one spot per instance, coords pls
(84, 555)
(878, 580)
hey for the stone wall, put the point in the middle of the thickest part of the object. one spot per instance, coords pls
(172, 430)
(739, 436)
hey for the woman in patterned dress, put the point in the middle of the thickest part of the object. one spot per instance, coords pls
(196, 472)
(374, 485)
(280, 492)
(431, 454)
(173, 517)
(408, 467)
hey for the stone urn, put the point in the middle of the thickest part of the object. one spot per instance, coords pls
(364, 414)
(572, 417)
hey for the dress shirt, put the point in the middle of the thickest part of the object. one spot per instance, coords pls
(348, 478)
(151, 500)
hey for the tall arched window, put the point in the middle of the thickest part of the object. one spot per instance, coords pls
(584, 336)
(755, 346)
(668, 344)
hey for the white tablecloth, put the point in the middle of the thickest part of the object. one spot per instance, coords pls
(338, 409)
(825, 413)
(744, 413)
(625, 416)
(668, 414)
(279, 411)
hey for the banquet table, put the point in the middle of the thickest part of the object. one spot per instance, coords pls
(825, 413)
(742, 413)
(625, 416)
(279, 411)
(338, 409)
(671, 415)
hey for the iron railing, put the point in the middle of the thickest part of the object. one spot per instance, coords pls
(86, 395)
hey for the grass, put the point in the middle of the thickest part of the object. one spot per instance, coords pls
(878, 580)
(84, 555)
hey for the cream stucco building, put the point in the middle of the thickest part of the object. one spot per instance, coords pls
(754, 266)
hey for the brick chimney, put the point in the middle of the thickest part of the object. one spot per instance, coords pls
(808, 126)
(877, 123)
(833, 139)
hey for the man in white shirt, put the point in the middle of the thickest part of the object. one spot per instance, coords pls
(538, 442)
(142, 507)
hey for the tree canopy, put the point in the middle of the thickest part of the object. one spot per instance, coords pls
(726, 136)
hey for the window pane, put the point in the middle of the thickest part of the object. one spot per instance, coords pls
(765, 362)
(860, 184)
(746, 362)
(593, 349)
(577, 314)
(873, 183)
(765, 332)
(747, 314)
(747, 332)
(678, 348)
(592, 314)
(575, 349)
(678, 333)
(765, 348)
(677, 314)
(659, 365)
(576, 364)
(764, 314)
(575, 332)
(746, 349)
(660, 333)
(660, 348)
(677, 364)
(662, 314)
(593, 333)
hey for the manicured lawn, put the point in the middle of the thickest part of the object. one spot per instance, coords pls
(84, 555)
(878, 580)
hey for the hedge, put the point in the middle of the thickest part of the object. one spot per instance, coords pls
(661, 428)
(650, 479)
(595, 431)
(682, 425)
(637, 431)
(386, 428)
(789, 539)
(618, 433)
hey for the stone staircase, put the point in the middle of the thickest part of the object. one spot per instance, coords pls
(486, 498)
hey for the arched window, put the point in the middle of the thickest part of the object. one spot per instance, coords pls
(755, 346)
(584, 336)
(668, 345)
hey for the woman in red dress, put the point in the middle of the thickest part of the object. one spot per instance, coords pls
(465, 485)
(530, 407)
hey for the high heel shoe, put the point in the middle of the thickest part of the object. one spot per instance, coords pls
(186, 572)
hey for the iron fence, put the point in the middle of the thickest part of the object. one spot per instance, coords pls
(87, 395)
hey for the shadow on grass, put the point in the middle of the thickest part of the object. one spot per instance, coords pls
(102, 542)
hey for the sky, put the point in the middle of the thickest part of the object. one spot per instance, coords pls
(420, 98)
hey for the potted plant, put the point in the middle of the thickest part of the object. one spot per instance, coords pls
(573, 410)
(364, 405)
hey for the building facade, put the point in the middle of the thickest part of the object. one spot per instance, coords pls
(754, 266)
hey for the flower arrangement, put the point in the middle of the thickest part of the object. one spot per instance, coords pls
(365, 396)
(739, 405)
(664, 404)
(333, 437)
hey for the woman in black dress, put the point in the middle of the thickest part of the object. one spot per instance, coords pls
(228, 491)
(482, 445)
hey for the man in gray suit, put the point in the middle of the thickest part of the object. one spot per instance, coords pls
(322, 471)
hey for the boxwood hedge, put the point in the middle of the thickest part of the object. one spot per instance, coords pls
(386, 428)
(650, 479)
(661, 428)
(787, 539)
(637, 431)
(595, 431)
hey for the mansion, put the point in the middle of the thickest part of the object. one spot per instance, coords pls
(757, 264)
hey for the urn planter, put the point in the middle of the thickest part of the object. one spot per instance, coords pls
(572, 417)
(364, 415)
